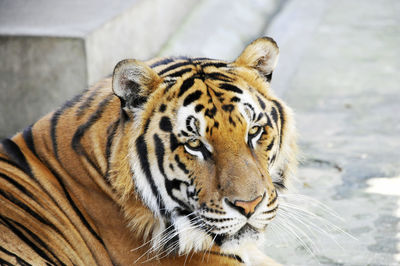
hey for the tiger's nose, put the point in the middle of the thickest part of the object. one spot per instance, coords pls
(246, 208)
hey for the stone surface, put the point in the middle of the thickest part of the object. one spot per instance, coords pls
(51, 51)
(221, 29)
(338, 70)
(72, 18)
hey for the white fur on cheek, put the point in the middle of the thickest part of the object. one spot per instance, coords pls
(190, 237)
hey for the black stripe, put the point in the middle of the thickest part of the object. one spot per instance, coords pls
(253, 113)
(260, 115)
(38, 240)
(179, 73)
(67, 195)
(211, 112)
(269, 123)
(271, 211)
(279, 184)
(76, 209)
(145, 165)
(54, 122)
(53, 126)
(173, 142)
(261, 102)
(273, 158)
(28, 137)
(198, 108)
(162, 62)
(274, 114)
(269, 147)
(230, 87)
(201, 59)
(18, 186)
(214, 64)
(26, 208)
(160, 151)
(19, 260)
(15, 154)
(165, 124)
(9, 162)
(228, 107)
(282, 119)
(169, 184)
(232, 256)
(5, 263)
(268, 77)
(65, 191)
(80, 132)
(111, 130)
(24, 238)
(88, 101)
(174, 66)
(181, 165)
(235, 99)
(187, 84)
(272, 201)
(146, 126)
(192, 97)
(218, 76)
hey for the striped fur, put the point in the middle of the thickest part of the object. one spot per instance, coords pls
(152, 166)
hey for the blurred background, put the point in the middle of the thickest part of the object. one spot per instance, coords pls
(338, 70)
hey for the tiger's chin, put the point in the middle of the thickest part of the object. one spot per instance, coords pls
(236, 243)
(246, 244)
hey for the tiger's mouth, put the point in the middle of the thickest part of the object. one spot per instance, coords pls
(246, 231)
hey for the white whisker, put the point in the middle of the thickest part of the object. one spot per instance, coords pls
(315, 226)
(317, 217)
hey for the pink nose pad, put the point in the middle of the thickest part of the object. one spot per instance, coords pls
(247, 208)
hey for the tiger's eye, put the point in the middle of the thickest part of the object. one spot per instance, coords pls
(254, 130)
(194, 143)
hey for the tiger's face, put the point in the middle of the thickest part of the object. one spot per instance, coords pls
(211, 145)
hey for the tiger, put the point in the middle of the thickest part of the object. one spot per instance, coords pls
(171, 161)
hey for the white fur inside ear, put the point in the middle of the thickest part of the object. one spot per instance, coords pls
(267, 63)
(125, 71)
(132, 77)
(261, 54)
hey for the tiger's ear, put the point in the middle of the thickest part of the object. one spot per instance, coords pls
(262, 54)
(133, 81)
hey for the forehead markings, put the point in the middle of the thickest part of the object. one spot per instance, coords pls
(173, 67)
(192, 125)
(211, 111)
(194, 96)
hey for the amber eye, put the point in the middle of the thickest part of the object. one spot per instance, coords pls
(254, 131)
(194, 143)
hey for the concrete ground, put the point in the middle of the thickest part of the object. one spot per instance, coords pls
(337, 70)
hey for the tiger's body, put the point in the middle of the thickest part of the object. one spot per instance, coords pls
(170, 162)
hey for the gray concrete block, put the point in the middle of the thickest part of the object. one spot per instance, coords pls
(52, 50)
(37, 74)
(221, 29)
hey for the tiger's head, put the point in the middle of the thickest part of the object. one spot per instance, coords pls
(209, 146)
